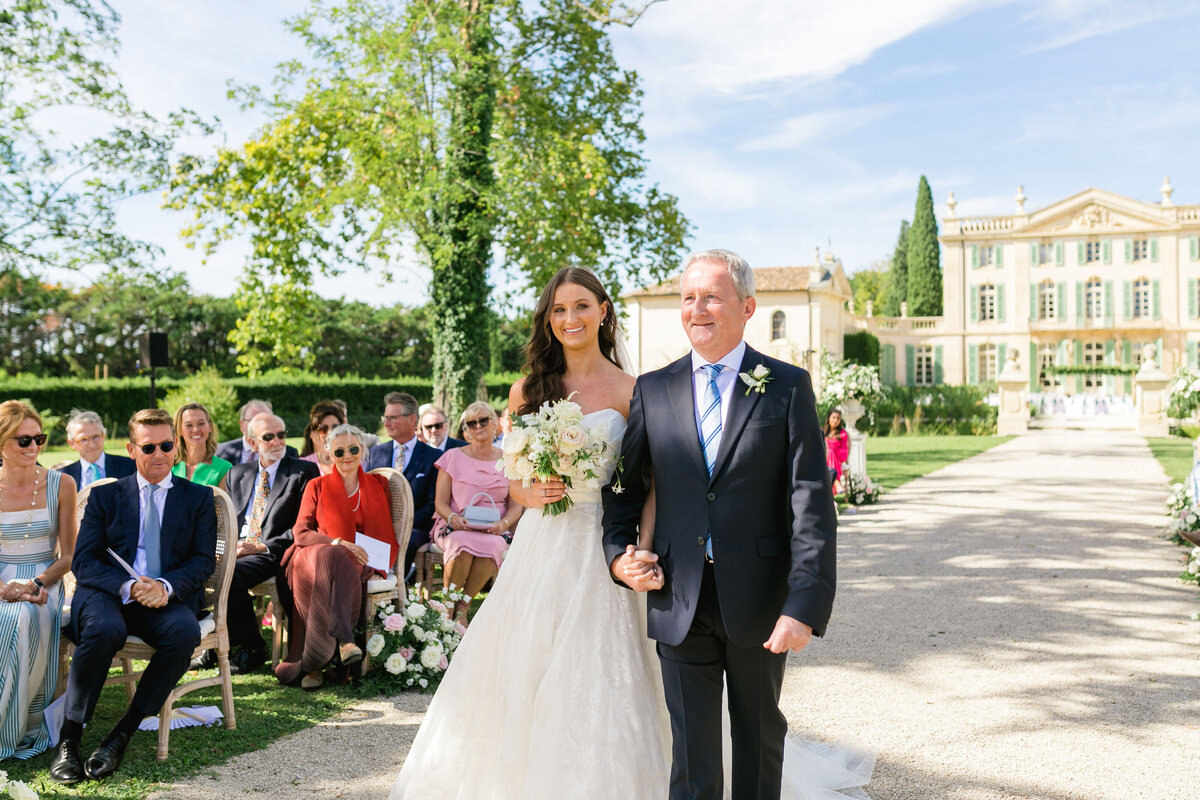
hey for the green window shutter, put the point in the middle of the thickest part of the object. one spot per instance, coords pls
(1109, 358)
(1060, 308)
(1154, 295)
(1127, 353)
(1000, 301)
(889, 364)
(974, 304)
(1060, 358)
(1128, 291)
(972, 363)
(1154, 248)
(1191, 298)
(1194, 247)
(1079, 303)
(1033, 302)
(1033, 367)
(974, 256)
(1033, 254)
(1082, 255)
(1191, 353)
(1106, 251)
(1078, 363)
(1129, 251)
(1001, 354)
(998, 253)
(1058, 254)
(937, 365)
(1108, 304)
(910, 365)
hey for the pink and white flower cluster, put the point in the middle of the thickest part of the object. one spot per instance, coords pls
(416, 640)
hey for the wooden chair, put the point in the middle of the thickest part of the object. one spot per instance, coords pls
(427, 560)
(391, 589)
(268, 590)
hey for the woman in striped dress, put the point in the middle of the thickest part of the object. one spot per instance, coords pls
(37, 519)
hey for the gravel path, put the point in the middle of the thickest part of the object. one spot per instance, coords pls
(1010, 626)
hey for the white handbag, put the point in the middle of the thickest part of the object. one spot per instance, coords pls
(478, 516)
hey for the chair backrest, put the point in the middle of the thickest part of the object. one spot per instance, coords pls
(400, 500)
(81, 498)
(62, 464)
(216, 588)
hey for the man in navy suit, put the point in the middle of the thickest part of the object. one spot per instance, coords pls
(165, 527)
(413, 458)
(435, 430)
(241, 450)
(85, 434)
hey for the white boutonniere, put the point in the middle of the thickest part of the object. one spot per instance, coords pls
(756, 379)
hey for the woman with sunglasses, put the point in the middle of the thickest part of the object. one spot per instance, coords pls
(326, 568)
(324, 417)
(37, 540)
(467, 477)
(196, 448)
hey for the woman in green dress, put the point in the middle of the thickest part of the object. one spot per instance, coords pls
(195, 456)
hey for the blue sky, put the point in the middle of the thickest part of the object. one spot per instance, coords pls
(787, 125)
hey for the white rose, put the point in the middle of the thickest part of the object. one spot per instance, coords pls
(759, 372)
(375, 645)
(1194, 568)
(522, 470)
(516, 440)
(395, 664)
(414, 611)
(571, 438)
(424, 683)
(431, 655)
(418, 633)
(19, 790)
(448, 624)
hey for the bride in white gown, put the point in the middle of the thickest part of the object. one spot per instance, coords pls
(555, 691)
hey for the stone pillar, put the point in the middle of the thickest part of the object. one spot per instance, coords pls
(852, 411)
(1150, 395)
(1014, 383)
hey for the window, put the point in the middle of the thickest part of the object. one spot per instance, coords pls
(1140, 250)
(923, 370)
(1046, 356)
(1045, 254)
(987, 256)
(778, 325)
(1092, 252)
(1046, 296)
(987, 362)
(987, 302)
(1093, 299)
(1093, 356)
(1141, 299)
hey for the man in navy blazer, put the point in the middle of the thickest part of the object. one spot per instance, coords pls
(435, 430)
(165, 527)
(241, 450)
(412, 457)
(86, 434)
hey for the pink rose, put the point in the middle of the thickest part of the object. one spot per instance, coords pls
(407, 653)
(393, 622)
(437, 606)
(443, 663)
(462, 631)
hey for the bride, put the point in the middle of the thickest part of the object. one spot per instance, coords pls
(555, 691)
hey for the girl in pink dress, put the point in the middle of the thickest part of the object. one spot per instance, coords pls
(837, 448)
(472, 554)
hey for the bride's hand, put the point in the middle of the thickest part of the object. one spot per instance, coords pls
(539, 493)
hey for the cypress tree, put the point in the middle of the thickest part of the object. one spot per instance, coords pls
(897, 277)
(924, 258)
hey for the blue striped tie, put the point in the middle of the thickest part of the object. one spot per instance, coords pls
(710, 431)
(150, 534)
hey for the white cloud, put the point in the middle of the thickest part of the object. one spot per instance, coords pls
(797, 132)
(1071, 21)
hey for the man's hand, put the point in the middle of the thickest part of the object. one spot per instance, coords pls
(789, 634)
(248, 548)
(638, 569)
(149, 592)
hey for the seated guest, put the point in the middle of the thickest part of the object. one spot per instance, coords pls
(369, 439)
(37, 538)
(239, 450)
(324, 417)
(435, 431)
(166, 529)
(326, 568)
(85, 435)
(415, 459)
(267, 494)
(472, 555)
(196, 458)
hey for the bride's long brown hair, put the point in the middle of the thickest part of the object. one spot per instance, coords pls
(544, 359)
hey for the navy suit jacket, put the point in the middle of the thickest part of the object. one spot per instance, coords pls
(111, 519)
(767, 504)
(114, 467)
(420, 473)
(283, 504)
(231, 451)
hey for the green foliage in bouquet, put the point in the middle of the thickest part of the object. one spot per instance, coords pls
(414, 643)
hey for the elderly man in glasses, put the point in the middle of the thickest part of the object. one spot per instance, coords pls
(165, 528)
(267, 493)
(435, 430)
(85, 435)
(241, 450)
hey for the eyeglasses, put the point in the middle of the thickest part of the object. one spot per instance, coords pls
(148, 449)
(270, 437)
(352, 449)
(434, 426)
(477, 423)
(25, 441)
(97, 439)
(322, 428)
(390, 420)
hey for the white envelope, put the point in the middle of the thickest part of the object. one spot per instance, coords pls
(378, 552)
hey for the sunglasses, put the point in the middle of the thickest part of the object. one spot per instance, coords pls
(352, 450)
(434, 426)
(25, 441)
(148, 449)
(270, 437)
(477, 423)
(322, 428)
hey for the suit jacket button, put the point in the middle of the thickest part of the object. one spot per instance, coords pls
(700, 541)
(712, 496)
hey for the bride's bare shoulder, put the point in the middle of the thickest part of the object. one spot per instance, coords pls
(516, 395)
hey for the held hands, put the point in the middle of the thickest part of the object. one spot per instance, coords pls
(18, 591)
(789, 634)
(248, 548)
(149, 592)
(638, 569)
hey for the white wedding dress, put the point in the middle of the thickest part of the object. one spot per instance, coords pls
(555, 691)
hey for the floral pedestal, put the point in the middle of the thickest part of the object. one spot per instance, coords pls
(852, 411)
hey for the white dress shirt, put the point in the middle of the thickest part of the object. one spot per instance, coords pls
(85, 465)
(272, 471)
(727, 378)
(139, 557)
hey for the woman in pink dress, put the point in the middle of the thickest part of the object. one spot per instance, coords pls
(472, 554)
(837, 448)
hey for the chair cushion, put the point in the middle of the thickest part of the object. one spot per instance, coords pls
(65, 618)
(433, 548)
(208, 625)
(385, 584)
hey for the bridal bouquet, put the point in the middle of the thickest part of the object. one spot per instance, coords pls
(554, 444)
(415, 640)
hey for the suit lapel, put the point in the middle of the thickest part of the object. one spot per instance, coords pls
(131, 511)
(680, 392)
(282, 474)
(740, 407)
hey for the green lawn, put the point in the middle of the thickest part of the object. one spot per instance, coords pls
(893, 461)
(1175, 455)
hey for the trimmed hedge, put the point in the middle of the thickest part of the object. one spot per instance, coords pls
(961, 410)
(116, 399)
(861, 348)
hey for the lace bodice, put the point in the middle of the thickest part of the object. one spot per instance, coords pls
(613, 424)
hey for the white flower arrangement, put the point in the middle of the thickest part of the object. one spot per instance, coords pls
(756, 380)
(554, 444)
(17, 790)
(1183, 392)
(419, 642)
(860, 490)
(842, 381)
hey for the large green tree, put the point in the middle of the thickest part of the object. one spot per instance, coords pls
(59, 195)
(463, 129)
(924, 258)
(896, 290)
(870, 284)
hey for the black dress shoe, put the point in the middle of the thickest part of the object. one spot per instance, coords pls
(107, 757)
(246, 660)
(206, 660)
(67, 766)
